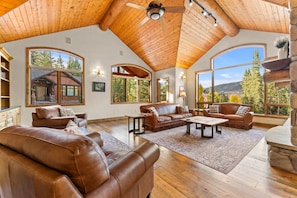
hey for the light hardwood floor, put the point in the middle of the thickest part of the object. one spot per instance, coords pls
(180, 177)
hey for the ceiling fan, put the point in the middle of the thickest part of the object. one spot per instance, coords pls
(156, 11)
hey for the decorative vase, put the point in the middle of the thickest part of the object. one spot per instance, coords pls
(283, 52)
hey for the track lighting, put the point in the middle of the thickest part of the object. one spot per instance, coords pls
(204, 12)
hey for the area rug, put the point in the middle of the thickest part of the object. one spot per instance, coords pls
(111, 142)
(222, 152)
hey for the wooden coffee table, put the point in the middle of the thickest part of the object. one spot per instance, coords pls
(204, 121)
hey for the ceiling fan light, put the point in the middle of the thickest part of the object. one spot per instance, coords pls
(155, 13)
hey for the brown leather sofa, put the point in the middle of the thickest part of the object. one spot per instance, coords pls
(50, 116)
(43, 162)
(167, 116)
(229, 111)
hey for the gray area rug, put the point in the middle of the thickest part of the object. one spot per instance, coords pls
(112, 142)
(222, 153)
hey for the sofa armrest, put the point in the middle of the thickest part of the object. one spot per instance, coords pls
(96, 137)
(81, 115)
(54, 122)
(248, 117)
(130, 168)
(205, 112)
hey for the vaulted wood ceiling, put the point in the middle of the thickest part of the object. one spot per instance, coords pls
(185, 38)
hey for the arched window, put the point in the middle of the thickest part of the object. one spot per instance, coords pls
(237, 76)
(54, 76)
(130, 84)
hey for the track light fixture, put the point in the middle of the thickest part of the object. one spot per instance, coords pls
(204, 12)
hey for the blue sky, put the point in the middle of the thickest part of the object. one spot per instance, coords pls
(235, 57)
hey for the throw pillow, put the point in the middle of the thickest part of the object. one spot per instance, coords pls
(184, 109)
(73, 128)
(214, 108)
(66, 112)
(154, 111)
(242, 110)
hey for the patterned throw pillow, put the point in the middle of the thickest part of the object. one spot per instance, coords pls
(73, 128)
(154, 111)
(214, 108)
(242, 110)
(66, 112)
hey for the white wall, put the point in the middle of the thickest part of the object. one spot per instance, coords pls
(98, 48)
(244, 37)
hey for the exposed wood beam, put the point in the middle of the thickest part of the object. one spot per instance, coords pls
(111, 14)
(224, 22)
(284, 3)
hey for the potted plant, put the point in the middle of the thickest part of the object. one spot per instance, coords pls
(282, 43)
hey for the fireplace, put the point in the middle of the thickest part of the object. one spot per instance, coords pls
(282, 140)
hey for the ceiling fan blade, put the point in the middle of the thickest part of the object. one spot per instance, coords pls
(163, 23)
(132, 5)
(177, 9)
(143, 21)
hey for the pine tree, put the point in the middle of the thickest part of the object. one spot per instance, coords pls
(252, 85)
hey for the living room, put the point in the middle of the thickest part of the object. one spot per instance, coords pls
(103, 49)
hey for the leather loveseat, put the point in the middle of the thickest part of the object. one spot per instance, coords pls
(50, 163)
(239, 115)
(55, 116)
(161, 116)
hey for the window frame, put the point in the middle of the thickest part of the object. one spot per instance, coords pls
(212, 70)
(125, 75)
(60, 90)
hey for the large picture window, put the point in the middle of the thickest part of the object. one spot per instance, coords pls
(54, 77)
(130, 84)
(237, 76)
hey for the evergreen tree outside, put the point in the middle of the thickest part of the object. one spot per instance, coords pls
(253, 85)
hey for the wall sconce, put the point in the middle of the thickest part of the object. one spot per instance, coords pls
(98, 72)
(182, 76)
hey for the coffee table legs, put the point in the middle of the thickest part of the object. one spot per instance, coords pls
(217, 131)
(202, 127)
(188, 127)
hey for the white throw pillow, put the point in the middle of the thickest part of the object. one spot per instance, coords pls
(66, 112)
(242, 110)
(73, 128)
(154, 111)
(214, 108)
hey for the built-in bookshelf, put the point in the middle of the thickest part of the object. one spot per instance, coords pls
(5, 59)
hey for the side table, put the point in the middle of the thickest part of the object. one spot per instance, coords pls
(136, 118)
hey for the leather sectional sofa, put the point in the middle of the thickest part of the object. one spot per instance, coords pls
(161, 116)
(43, 162)
(230, 111)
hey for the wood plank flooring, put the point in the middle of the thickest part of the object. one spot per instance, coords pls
(180, 177)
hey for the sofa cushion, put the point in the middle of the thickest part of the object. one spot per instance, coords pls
(164, 118)
(233, 117)
(78, 157)
(154, 111)
(216, 115)
(242, 110)
(214, 108)
(48, 111)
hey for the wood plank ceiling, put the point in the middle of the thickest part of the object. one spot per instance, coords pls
(185, 38)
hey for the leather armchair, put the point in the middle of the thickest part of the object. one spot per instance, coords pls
(50, 116)
(43, 162)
